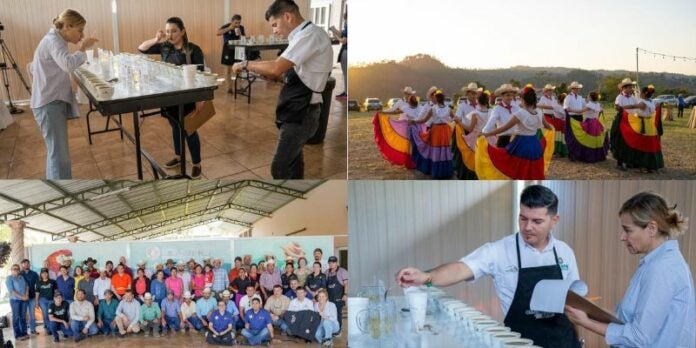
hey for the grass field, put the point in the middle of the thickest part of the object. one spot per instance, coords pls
(678, 147)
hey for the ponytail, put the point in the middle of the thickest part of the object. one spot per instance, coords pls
(68, 17)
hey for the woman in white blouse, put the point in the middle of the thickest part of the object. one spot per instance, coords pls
(52, 99)
(329, 318)
(433, 154)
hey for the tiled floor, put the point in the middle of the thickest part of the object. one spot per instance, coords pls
(238, 143)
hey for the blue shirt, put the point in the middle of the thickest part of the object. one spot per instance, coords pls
(158, 290)
(66, 287)
(203, 306)
(231, 307)
(31, 278)
(257, 321)
(658, 309)
(221, 321)
(220, 280)
(17, 284)
(171, 308)
(681, 102)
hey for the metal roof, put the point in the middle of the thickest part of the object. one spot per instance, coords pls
(97, 210)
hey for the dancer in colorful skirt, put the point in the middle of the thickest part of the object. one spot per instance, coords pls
(574, 103)
(431, 150)
(392, 136)
(550, 107)
(636, 131)
(424, 109)
(464, 145)
(527, 155)
(587, 140)
(402, 103)
(502, 113)
(461, 120)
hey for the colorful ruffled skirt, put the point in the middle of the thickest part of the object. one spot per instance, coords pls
(560, 147)
(587, 141)
(526, 157)
(431, 151)
(464, 153)
(392, 138)
(635, 141)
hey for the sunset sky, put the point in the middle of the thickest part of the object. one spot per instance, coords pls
(587, 34)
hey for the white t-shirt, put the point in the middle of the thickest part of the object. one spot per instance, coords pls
(500, 116)
(573, 102)
(499, 260)
(595, 108)
(441, 114)
(529, 123)
(245, 301)
(310, 50)
(296, 305)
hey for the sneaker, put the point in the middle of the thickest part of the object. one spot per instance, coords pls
(196, 172)
(173, 163)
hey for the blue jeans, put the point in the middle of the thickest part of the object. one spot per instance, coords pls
(56, 326)
(326, 330)
(288, 160)
(107, 328)
(44, 303)
(255, 337)
(193, 141)
(172, 323)
(31, 324)
(281, 324)
(196, 322)
(19, 317)
(52, 119)
(78, 325)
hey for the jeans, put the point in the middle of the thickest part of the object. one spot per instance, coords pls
(44, 303)
(52, 119)
(78, 325)
(281, 324)
(31, 308)
(326, 330)
(288, 161)
(196, 322)
(256, 337)
(56, 326)
(194, 143)
(173, 323)
(19, 317)
(344, 67)
(339, 312)
(108, 327)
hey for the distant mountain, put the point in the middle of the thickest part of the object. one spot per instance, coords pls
(385, 79)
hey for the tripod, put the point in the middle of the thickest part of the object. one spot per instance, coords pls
(5, 57)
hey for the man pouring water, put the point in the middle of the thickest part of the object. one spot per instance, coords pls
(516, 263)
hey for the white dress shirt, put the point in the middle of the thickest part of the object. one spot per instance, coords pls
(309, 49)
(500, 116)
(546, 101)
(573, 102)
(100, 285)
(623, 100)
(399, 105)
(297, 305)
(499, 260)
(463, 110)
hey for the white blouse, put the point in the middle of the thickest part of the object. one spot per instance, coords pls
(441, 114)
(529, 123)
(594, 111)
(409, 113)
(649, 108)
(482, 117)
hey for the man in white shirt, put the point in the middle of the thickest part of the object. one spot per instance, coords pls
(574, 103)
(502, 114)
(101, 284)
(319, 257)
(466, 106)
(82, 317)
(402, 103)
(306, 65)
(184, 275)
(549, 104)
(431, 102)
(517, 263)
(301, 303)
(245, 302)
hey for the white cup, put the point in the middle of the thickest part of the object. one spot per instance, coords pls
(516, 342)
(90, 55)
(355, 306)
(418, 303)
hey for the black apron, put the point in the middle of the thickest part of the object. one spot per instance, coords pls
(294, 98)
(556, 331)
(334, 288)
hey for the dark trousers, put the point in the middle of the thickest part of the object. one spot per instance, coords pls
(339, 312)
(503, 140)
(288, 161)
(194, 143)
(19, 317)
(680, 113)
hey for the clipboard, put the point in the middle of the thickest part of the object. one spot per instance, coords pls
(593, 311)
(195, 120)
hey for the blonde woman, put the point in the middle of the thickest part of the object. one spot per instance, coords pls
(52, 99)
(658, 309)
(329, 318)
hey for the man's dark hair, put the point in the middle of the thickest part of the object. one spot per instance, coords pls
(537, 196)
(255, 299)
(238, 259)
(280, 7)
(277, 286)
(319, 250)
(237, 17)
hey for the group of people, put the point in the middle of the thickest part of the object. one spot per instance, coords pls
(252, 298)
(658, 309)
(304, 67)
(513, 133)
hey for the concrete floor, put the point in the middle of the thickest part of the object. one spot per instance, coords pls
(237, 143)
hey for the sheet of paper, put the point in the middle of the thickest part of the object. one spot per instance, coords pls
(549, 295)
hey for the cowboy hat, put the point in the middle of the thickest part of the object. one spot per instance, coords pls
(431, 91)
(408, 90)
(506, 88)
(90, 259)
(549, 87)
(626, 82)
(574, 84)
(472, 87)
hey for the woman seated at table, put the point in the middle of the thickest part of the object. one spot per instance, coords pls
(658, 308)
(174, 47)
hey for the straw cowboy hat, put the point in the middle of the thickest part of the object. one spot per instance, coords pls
(431, 91)
(472, 87)
(549, 87)
(408, 90)
(506, 88)
(626, 82)
(574, 84)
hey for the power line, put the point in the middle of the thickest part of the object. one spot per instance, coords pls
(665, 56)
